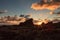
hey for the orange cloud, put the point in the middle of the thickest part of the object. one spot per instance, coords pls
(46, 4)
(51, 6)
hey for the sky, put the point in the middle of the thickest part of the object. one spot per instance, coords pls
(18, 7)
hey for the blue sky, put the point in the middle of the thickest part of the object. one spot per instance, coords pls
(17, 7)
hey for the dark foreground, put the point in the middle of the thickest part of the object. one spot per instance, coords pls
(21, 33)
(28, 31)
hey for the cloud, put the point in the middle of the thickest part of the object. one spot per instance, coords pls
(46, 4)
(26, 16)
(56, 0)
(56, 17)
(58, 13)
(3, 11)
(41, 14)
(51, 13)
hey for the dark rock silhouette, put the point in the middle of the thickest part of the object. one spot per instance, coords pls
(48, 26)
(28, 23)
(57, 25)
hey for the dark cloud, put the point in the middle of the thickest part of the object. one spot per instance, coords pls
(26, 16)
(58, 13)
(3, 11)
(56, 0)
(54, 12)
(58, 8)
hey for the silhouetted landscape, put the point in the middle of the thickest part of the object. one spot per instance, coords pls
(29, 19)
(29, 31)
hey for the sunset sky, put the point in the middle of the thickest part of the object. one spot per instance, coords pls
(31, 7)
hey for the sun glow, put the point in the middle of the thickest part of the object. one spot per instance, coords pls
(39, 23)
